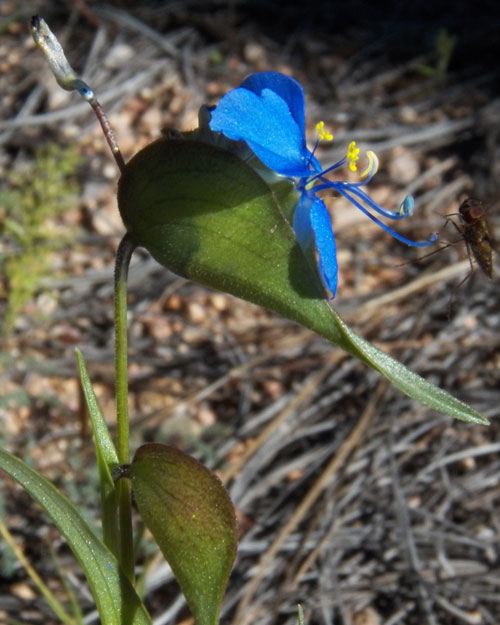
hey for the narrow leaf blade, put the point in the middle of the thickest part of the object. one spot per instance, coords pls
(105, 447)
(407, 381)
(107, 459)
(116, 600)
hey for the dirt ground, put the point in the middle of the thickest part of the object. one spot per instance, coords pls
(399, 506)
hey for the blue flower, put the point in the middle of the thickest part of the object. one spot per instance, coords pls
(268, 113)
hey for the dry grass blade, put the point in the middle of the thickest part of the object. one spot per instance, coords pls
(309, 388)
(244, 613)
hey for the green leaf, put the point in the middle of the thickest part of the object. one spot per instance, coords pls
(105, 447)
(107, 460)
(116, 600)
(405, 380)
(206, 215)
(191, 517)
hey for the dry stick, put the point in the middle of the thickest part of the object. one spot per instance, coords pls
(235, 373)
(403, 523)
(307, 390)
(416, 285)
(29, 105)
(311, 558)
(438, 134)
(436, 170)
(472, 618)
(131, 85)
(124, 20)
(335, 463)
(435, 199)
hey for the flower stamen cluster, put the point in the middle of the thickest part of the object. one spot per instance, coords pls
(352, 155)
(323, 134)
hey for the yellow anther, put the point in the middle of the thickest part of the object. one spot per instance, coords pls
(372, 167)
(352, 155)
(323, 134)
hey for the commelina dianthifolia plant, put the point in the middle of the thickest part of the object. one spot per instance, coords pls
(233, 205)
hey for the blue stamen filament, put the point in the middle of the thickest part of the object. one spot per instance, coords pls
(323, 135)
(355, 195)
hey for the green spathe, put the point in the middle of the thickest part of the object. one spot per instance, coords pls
(189, 513)
(205, 214)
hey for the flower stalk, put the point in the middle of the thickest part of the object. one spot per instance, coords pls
(123, 256)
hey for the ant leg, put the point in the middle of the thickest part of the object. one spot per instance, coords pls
(443, 247)
(469, 254)
(464, 280)
(452, 221)
(456, 289)
(469, 251)
(440, 249)
(459, 230)
(449, 220)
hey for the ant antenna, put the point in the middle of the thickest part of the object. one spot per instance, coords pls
(68, 80)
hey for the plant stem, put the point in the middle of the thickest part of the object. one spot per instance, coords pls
(108, 132)
(123, 256)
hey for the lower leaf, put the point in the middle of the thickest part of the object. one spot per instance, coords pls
(189, 513)
(116, 600)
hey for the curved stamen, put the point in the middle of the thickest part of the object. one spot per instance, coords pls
(385, 212)
(319, 176)
(362, 196)
(385, 227)
(407, 207)
(371, 169)
(368, 173)
(311, 153)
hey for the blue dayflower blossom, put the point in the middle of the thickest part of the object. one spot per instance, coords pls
(267, 112)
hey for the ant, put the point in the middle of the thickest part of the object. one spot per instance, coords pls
(475, 233)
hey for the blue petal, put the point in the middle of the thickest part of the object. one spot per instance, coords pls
(287, 88)
(302, 222)
(312, 222)
(266, 124)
